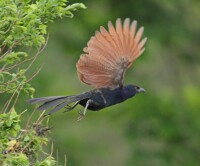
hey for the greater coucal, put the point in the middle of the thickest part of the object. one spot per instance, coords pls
(103, 65)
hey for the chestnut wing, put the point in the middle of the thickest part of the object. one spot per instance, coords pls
(110, 53)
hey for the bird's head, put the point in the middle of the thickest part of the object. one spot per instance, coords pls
(131, 90)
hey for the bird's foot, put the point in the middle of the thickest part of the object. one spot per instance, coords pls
(81, 116)
(69, 108)
(82, 113)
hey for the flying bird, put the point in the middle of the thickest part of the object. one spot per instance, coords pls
(107, 56)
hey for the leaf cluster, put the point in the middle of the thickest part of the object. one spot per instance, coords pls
(22, 146)
(23, 37)
(24, 23)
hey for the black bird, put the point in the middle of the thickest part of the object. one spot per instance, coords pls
(103, 65)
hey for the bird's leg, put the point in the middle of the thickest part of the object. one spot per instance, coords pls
(71, 107)
(82, 114)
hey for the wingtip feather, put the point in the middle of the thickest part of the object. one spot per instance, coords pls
(139, 34)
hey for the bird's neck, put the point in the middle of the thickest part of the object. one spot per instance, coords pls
(128, 92)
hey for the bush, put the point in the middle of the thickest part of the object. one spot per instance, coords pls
(23, 37)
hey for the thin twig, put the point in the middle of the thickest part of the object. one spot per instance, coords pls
(4, 106)
(35, 74)
(41, 116)
(26, 145)
(29, 119)
(57, 163)
(37, 54)
(51, 149)
(9, 101)
(16, 98)
(13, 80)
(7, 52)
(23, 112)
(18, 64)
(65, 161)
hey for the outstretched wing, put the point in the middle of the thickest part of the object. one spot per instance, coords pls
(110, 53)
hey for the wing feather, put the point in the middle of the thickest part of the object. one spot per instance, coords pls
(109, 53)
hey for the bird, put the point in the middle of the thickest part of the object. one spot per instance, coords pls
(106, 58)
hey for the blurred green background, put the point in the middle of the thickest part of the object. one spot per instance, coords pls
(160, 127)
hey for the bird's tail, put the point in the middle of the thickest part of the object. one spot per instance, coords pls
(58, 102)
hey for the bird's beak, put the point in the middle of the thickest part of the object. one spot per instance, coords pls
(141, 90)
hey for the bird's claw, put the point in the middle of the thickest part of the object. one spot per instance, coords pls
(82, 113)
(81, 116)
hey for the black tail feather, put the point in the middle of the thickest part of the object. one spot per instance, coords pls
(53, 103)
(62, 105)
(44, 99)
(58, 102)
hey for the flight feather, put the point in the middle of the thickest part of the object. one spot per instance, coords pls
(109, 53)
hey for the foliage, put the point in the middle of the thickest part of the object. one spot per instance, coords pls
(23, 26)
(23, 36)
(22, 146)
(24, 23)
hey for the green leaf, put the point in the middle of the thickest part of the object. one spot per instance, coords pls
(26, 138)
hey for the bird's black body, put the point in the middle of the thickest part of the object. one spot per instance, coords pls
(105, 97)
(94, 100)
